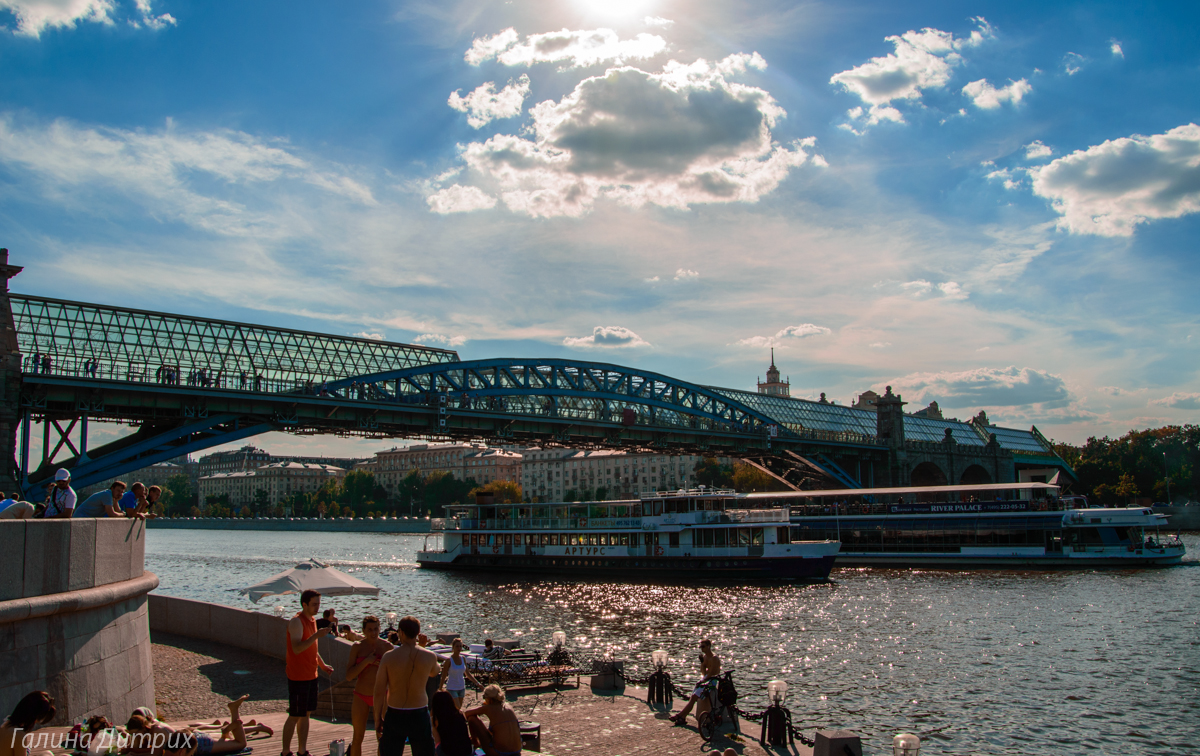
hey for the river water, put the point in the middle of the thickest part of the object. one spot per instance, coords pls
(979, 662)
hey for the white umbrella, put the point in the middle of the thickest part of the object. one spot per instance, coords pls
(311, 575)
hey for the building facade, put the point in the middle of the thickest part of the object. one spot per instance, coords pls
(773, 385)
(278, 479)
(551, 474)
(482, 463)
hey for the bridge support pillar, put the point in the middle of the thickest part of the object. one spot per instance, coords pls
(10, 383)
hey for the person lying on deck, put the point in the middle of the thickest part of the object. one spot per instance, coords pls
(191, 742)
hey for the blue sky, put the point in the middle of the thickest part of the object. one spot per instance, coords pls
(991, 205)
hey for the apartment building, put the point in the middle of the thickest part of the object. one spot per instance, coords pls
(278, 479)
(548, 474)
(483, 463)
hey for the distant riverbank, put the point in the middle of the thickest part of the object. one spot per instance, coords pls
(328, 525)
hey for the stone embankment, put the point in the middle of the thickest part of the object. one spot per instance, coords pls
(415, 525)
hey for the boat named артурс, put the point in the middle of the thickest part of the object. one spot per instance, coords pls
(688, 533)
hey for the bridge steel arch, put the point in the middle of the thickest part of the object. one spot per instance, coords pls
(545, 402)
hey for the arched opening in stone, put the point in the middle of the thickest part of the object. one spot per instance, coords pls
(928, 474)
(975, 475)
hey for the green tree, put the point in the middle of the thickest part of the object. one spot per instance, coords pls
(178, 498)
(506, 491)
(442, 489)
(711, 473)
(358, 488)
(261, 500)
(411, 492)
(747, 478)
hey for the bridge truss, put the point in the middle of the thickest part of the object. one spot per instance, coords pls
(188, 384)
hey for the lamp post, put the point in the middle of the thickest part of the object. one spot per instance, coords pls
(777, 721)
(660, 679)
(1167, 473)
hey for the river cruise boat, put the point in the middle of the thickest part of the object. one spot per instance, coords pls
(1025, 525)
(699, 533)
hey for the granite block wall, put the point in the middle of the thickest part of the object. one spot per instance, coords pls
(74, 617)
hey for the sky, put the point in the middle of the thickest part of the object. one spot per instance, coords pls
(989, 205)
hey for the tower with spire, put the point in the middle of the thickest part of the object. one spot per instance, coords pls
(774, 386)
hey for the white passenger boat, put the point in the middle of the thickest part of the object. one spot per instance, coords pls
(988, 525)
(699, 533)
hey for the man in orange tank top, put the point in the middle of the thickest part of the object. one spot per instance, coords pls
(303, 663)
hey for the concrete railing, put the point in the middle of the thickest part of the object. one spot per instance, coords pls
(417, 526)
(73, 615)
(241, 628)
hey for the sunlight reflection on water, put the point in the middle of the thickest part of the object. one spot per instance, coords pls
(976, 661)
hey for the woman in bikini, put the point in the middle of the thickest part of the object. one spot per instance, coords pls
(189, 742)
(363, 666)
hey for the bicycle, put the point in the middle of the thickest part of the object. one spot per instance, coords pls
(721, 698)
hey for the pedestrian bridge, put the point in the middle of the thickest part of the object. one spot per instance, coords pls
(190, 383)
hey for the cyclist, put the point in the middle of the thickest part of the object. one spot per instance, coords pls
(710, 669)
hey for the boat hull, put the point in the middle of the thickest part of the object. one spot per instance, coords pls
(960, 561)
(815, 568)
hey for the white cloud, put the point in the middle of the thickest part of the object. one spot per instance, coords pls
(486, 48)
(781, 338)
(1073, 63)
(573, 49)
(665, 23)
(35, 16)
(485, 104)
(987, 97)
(168, 168)
(1180, 400)
(373, 335)
(1035, 150)
(951, 290)
(986, 387)
(1115, 47)
(460, 199)
(880, 345)
(917, 288)
(685, 135)
(1110, 188)
(1010, 176)
(607, 336)
(922, 60)
(652, 279)
(686, 275)
(428, 339)
(151, 21)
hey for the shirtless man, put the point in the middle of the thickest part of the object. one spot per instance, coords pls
(362, 668)
(710, 669)
(400, 685)
(502, 736)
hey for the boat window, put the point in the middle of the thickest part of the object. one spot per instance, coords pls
(633, 539)
(574, 539)
(756, 536)
(624, 539)
(743, 536)
(718, 537)
(545, 539)
(674, 540)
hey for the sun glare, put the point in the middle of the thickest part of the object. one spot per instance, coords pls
(617, 9)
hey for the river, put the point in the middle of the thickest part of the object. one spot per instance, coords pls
(981, 661)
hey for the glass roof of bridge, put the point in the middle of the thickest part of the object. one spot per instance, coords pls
(805, 413)
(1018, 440)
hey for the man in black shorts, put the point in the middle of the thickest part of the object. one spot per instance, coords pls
(303, 663)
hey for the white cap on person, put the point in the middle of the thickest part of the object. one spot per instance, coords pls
(62, 474)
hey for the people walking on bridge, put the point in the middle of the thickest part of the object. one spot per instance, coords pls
(61, 503)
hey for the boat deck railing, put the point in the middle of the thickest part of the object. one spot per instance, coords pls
(847, 510)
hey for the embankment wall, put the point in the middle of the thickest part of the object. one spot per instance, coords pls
(338, 525)
(73, 616)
